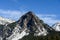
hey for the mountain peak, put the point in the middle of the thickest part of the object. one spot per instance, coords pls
(30, 13)
(32, 23)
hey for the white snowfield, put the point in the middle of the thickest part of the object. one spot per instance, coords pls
(5, 21)
(56, 26)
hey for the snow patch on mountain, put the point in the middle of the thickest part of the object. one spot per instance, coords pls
(56, 26)
(5, 21)
(0, 38)
(44, 32)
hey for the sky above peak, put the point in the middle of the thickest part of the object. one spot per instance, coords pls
(47, 10)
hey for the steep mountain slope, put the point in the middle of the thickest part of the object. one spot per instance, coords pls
(3, 23)
(56, 26)
(28, 23)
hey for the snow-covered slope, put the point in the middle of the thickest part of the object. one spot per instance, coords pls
(56, 26)
(5, 21)
(17, 33)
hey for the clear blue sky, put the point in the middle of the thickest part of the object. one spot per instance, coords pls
(44, 7)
